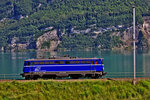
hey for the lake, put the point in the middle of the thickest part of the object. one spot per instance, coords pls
(117, 63)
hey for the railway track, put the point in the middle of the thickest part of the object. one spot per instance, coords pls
(72, 80)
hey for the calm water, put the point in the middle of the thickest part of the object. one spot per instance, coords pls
(117, 64)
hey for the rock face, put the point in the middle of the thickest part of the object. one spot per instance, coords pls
(142, 35)
(146, 29)
(127, 36)
(15, 45)
(53, 45)
(48, 41)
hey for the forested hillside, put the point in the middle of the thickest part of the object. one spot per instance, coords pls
(29, 19)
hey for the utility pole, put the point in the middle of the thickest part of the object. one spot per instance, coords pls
(134, 80)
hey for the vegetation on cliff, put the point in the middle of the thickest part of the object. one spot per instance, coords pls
(74, 90)
(85, 41)
(28, 19)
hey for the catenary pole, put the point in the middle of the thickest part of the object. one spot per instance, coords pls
(134, 58)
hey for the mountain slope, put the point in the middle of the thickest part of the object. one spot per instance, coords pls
(28, 19)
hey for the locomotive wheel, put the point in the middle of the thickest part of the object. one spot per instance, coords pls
(96, 76)
(27, 77)
(75, 76)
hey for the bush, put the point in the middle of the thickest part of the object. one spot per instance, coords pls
(74, 90)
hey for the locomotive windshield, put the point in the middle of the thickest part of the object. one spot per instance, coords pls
(26, 63)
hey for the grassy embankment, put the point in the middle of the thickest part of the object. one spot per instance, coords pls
(74, 90)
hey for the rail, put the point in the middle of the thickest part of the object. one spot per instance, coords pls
(108, 75)
(126, 74)
(10, 76)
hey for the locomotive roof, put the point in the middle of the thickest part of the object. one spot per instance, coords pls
(63, 58)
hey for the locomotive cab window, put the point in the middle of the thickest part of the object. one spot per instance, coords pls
(82, 62)
(88, 62)
(72, 62)
(77, 62)
(62, 62)
(46, 63)
(96, 62)
(41, 63)
(67, 62)
(56, 62)
(51, 62)
(27, 63)
(92, 62)
(102, 61)
(31, 63)
(36, 63)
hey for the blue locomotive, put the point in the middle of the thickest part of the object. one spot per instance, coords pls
(63, 67)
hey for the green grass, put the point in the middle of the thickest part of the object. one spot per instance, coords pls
(74, 90)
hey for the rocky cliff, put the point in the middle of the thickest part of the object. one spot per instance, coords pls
(48, 41)
(146, 29)
(142, 35)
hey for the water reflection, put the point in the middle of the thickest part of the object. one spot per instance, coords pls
(44, 55)
(146, 64)
(117, 63)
